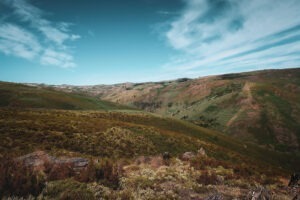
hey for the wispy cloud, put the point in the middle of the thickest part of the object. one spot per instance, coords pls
(39, 39)
(234, 35)
(16, 41)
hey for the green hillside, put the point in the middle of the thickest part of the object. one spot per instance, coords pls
(262, 106)
(23, 96)
(123, 135)
(124, 150)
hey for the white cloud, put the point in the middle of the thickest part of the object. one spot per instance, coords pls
(52, 35)
(75, 37)
(17, 41)
(227, 33)
(52, 57)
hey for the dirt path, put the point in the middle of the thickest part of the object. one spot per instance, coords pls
(235, 116)
(246, 103)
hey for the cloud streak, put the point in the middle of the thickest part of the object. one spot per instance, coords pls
(235, 35)
(40, 39)
(17, 41)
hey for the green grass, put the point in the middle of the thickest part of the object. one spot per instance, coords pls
(122, 135)
(22, 96)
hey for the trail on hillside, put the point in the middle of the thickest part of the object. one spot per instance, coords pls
(246, 103)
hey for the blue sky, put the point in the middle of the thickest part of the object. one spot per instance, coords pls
(104, 42)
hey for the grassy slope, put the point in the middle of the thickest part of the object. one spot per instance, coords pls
(23, 96)
(262, 107)
(42, 123)
(128, 133)
(124, 135)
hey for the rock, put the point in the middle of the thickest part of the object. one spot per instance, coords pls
(188, 156)
(36, 160)
(77, 164)
(259, 194)
(41, 161)
(166, 156)
(214, 197)
(202, 152)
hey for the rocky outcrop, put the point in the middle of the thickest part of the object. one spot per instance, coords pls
(57, 168)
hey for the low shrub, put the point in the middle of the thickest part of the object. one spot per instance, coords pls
(68, 189)
(18, 180)
(108, 173)
(202, 162)
(207, 179)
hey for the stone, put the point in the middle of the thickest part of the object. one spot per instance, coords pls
(260, 193)
(166, 156)
(40, 161)
(214, 197)
(188, 156)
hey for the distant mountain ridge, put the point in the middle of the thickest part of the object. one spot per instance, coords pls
(260, 106)
(15, 95)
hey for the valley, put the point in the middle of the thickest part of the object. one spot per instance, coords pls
(216, 137)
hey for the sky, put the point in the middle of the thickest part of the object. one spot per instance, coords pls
(105, 42)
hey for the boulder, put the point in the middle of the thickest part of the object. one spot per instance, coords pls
(36, 160)
(188, 156)
(41, 161)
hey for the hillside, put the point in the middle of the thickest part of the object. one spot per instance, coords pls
(115, 153)
(261, 106)
(25, 96)
(122, 134)
(126, 149)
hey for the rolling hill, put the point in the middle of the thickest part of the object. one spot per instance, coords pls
(26, 110)
(124, 150)
(25, 96)
(261, 106)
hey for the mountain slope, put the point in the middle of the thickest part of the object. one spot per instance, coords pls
(124, 135)
(119, 153)
(131, 143)
(24, 96)
(114, 133)
(262, 106)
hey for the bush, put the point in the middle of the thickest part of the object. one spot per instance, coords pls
(207, 179)
(67, 189)
(19, 180)
(89, 174)
(202, 162)
(108, 172)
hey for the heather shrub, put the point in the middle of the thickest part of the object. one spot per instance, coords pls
(19, 180)
(107, 172)
(68, 189)
(207, 179)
